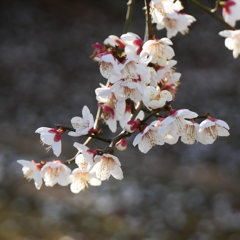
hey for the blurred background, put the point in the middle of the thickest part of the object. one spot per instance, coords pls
(174, 192)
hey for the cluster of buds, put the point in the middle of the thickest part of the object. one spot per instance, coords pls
(141, 84)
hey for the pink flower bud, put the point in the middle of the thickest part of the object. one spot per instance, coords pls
(132, 125)
(121, 145)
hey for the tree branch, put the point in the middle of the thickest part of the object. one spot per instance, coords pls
(208, 10)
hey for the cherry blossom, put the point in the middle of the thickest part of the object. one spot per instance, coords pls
(80, 180)
(113, 107)
(176, 22)
(190, 133)
(124, 121)
(210, 128)
(159, 50)
(168, 74)
(113, 41)
(84, 157)
(107, 165)
(31, 170)
(82, 125)
(230, 11)
(110, 67)
(160, 8)
(176, 120)
(232, 41)
(55, 172)
(155, 98)
(169, 78)
(169, 132)
(149, 137)
(133, 46)
(173, 21)
(134, 79)
(51, 137)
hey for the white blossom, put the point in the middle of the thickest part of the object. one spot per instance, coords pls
(31, 170)
(107, 165)
(176, 22)
(231, 11)
(133, 82)
(232, 41)
(159, 50)
(82, 125)
(160, 8)
(211, 128)
(84, 157)
(133, 45)
(190, 133)
(80, 180)
(51, 137)
(113, 107)
(113, 41)
(176, 120)
(55, 172)
(150, 137)
(110, 67)
(154, 98)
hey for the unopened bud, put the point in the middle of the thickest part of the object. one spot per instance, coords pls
(121, 145)
(132, 125)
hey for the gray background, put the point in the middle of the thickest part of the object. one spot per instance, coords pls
(46, 76)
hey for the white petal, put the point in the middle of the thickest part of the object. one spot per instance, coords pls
(26, 163)
(94, 181)
(222, 123)
(77, 186)
(57, 148)
(47, 138)
(206, 123)
(74, 134)
(42, 130)
(37, 179)
(117, 172)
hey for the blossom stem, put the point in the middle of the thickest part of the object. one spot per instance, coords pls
(148, 31)
(216, 6)
(202, 116)
(151, 114)
(129, 14)
(99, 138)
(208, 10)
(167, 107)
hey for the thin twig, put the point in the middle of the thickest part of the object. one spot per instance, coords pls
(216, 6)
(129, 14)
(208, 10)
(148, 31)
(99, 138)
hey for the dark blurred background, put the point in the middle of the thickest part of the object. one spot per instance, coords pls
(175, 192)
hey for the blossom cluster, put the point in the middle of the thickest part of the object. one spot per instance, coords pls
(92, 169)
(141, 83)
